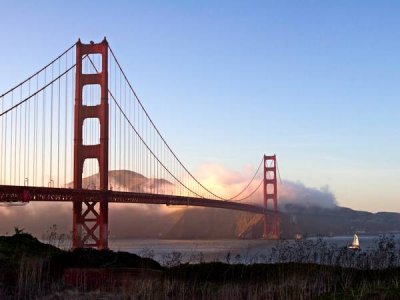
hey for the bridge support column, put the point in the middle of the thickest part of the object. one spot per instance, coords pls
(271, 226)
(90, 214)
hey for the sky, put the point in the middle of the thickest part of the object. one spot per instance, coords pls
(315, 82)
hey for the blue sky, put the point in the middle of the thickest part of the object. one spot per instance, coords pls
(316, 82)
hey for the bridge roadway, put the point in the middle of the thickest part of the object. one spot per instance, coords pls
(11, 194)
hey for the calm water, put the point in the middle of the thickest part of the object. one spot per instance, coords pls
(217, 250)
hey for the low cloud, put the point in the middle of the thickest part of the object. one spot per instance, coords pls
(297, 193)
(229, 183)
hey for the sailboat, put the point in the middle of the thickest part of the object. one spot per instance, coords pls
(356, 244)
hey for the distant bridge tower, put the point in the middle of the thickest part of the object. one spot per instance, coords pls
(90, 215)
(271, 228)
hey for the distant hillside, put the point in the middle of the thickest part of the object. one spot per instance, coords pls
(206, 223)
(124, 180)
(218, 223)
(337, 221)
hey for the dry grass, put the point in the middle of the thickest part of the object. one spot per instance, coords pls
(295, 270)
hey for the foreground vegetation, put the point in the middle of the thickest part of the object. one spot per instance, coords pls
(31, 269)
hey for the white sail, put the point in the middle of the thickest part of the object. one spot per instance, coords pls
(356, 243)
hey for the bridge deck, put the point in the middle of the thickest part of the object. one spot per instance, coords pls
(10, 194)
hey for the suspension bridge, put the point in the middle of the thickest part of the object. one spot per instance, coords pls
(65, 128)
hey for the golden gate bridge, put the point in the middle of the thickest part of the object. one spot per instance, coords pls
(64, 127)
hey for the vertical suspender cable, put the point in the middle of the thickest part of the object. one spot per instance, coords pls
(125, 158)
(120, 124)
(18, 142)
(66, 123)
(26, 143)
(11, 137)
(58, 124)
(51, 126)
(43, 128)
(35, 132)
(115, 136)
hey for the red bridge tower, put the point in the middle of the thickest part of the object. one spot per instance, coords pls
(90, 215)
(271, 228)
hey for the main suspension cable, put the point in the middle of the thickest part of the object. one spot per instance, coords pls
(38, 91)
(252, 193)
(45, 67)
(241, 192)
